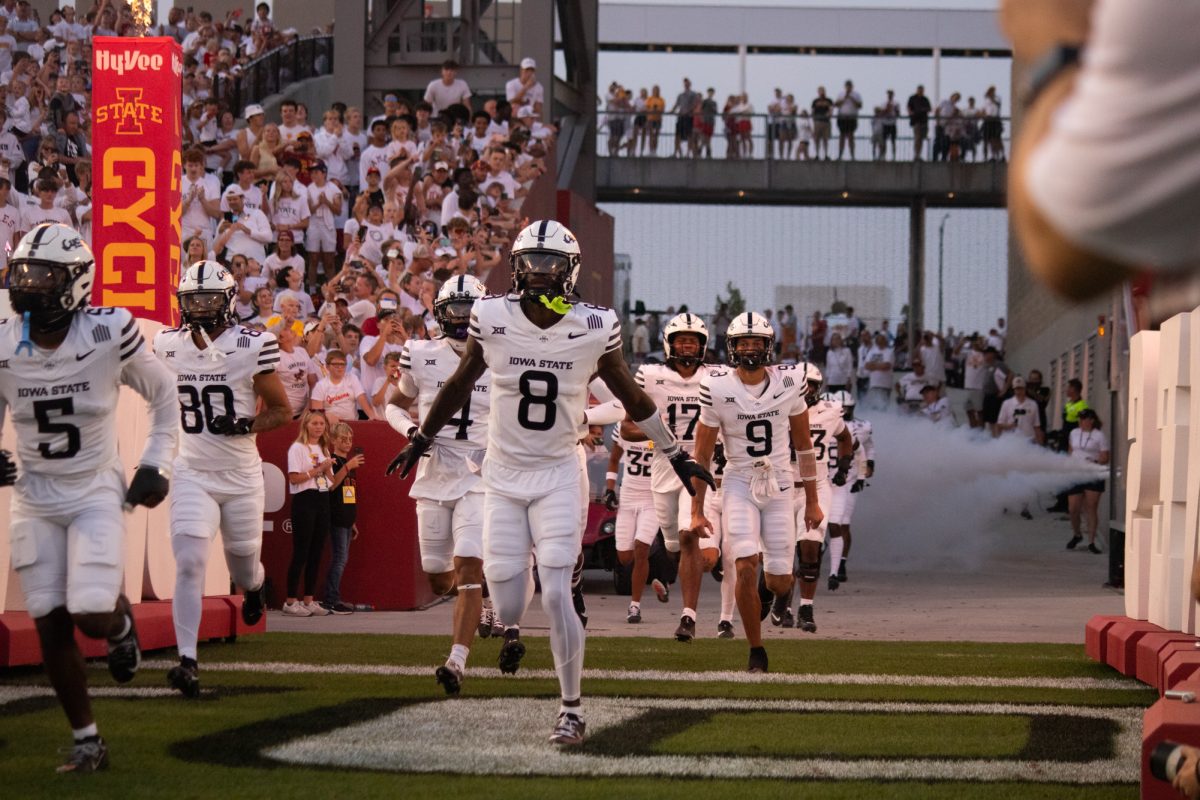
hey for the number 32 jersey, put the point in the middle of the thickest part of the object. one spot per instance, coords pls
(678, 400)
(211, 387)
(755, 426)
(64, 401)
(539, 378)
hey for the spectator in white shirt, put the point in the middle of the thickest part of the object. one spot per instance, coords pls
(525, 90)
(839, 365)
(244, 230)
(448, 90)
(932, 350)
(936, 409)
(24, 27)
(339, 394)
(252, 196)
(332, 147)
(877, 363)
(8, 45)
(289, 205)
(297, 371)
(1087, 443)
(291, 283)
(386, 384)
(325, 203)
(285, 255)
(45, 210)
(1019, 414)
(200, 198)
(291, 126)
(374, 349)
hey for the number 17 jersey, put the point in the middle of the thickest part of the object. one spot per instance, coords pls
(678, 401)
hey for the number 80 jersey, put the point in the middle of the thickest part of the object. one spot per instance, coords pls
(539, 378)
(678, 401)
(211, 387)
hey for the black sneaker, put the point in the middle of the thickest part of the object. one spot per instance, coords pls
(806, 620)
(841, 573)
(450, 676)
(185, 677)
(635, 614)
(758, 660)
(512, 651)
(1093, 549)
(580, 606)
(254, 601)
(124, 654)
(724, 629)
(1075, 540)
(834, 583)
(781, 615)
(686, 630)
(87, 755)
(569, 730)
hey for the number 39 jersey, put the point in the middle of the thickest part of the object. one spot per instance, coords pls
(678, 398)
(755, 426)
(539, 377)
(209, 387)
(64, 401)
(824, 424)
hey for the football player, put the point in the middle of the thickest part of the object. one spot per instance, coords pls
(542, 351)
(221, 370)
(844, 496)
(637, 522)
(758, 409)
(675, 389)
(62, 368)
(447, 490)
(827, 428)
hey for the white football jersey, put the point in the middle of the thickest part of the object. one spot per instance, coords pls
(64, 401)
(863, 434)
(539, 377)
(209, 388)
(637, 459)
(678, 400)
(824, 424)
(754, 427)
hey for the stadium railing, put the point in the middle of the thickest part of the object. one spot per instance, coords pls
(300, 59)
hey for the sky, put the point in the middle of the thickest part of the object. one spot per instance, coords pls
(685, 254)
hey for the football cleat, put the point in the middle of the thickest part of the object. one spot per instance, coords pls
(806, 620)
(450, 676)
(758, 660)
(254, 601)
(512, 651)
(185, 677)
(661, 590)
(580, 605)
(718, 571)
(635, 614)
(834, 583)
(124, 654)
(87, 755)
(724, 629)
(781, 615)
(568, 731)
(487, 620)
(497, 627)
(841, 575)
(686, 630)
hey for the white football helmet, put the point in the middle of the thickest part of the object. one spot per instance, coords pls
(206, 294)
(685, 323)
(844, 399)
(549, 249)
(749, 325)
(814, 381)
(452, 307)
(51, 272)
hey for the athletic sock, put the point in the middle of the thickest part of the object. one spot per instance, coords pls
(458, 654)
(688, 612)
(563, 708)
(566, 631)
(837, 546)
(804, 602)
(191, 561)
(86, 732)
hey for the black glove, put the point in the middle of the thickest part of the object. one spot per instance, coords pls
(8, 469)
(229, 425)
(843, 466)
(687, 469)
(610, 499)
(148, 488)
(407, 458)
(858, 486)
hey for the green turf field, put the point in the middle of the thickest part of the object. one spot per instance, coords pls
(361, 716)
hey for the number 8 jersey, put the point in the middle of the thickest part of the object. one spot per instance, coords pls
(539, 377)
(211, 387)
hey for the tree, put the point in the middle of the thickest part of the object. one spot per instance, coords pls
(734, 304)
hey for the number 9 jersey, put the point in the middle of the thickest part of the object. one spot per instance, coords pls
(209, 387)
(539, 378)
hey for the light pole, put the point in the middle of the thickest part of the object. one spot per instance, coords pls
(941, 260)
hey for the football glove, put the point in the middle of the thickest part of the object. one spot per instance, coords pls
(858, 486)
(148, 488)
(407, 458)
(687, 469)
(229, 425)
(843, 466)
(8, 469)
(610, 499)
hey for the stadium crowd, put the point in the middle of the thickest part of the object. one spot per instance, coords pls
(791, 129)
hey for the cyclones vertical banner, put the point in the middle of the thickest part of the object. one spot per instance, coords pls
(136, 141)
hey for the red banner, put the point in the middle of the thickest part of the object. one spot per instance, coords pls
(136, 141)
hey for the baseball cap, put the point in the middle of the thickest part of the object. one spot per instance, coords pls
(441, 165)
(421, 251)
(528, 63)
(319, 165)
(234, 190)
(928, 388)
(290, 32)
(252, 110)
(446, 252)
(310, 326)
(390, 98)
(373, 169)
(286, 235)
(1018, 381)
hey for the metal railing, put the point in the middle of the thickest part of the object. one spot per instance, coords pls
(272, 72)
(760, 136)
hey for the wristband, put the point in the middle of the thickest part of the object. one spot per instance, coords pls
(610, 476)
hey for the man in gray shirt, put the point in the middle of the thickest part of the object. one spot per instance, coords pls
(684, 108)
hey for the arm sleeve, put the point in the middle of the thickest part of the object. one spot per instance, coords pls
(143, 373)
(614, 335)
(260, 229)
(605, 413)
(268, 355)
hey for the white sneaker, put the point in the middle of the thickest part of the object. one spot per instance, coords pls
(314, 610)
(296, 609)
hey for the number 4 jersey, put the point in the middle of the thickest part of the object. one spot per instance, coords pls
(64, 401)
(678, 400)
(209, 387)
(539, 378)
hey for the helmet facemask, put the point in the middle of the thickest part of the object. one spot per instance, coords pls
(42, 289)
(206, 310)
(695, 347)
(752, 359)
(541, 273)
(454, 317)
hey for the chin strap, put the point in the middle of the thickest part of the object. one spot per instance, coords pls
(558, 305)
(25, 346)
(214, 352)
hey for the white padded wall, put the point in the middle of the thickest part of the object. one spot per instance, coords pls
(1142, 471)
